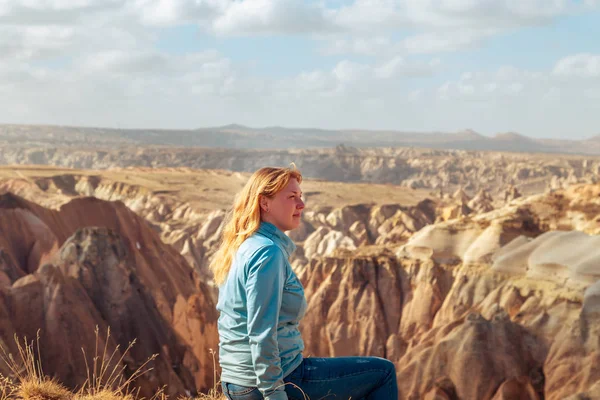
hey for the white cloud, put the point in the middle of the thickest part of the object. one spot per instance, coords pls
(398, 66)
(359, 45)
(270, 17)
(347, 71)
(437, 15)
(124, 89)
(551, 95)
(442, 25)
(515, 87)
(442, 42)
(423, 43)
(124, 62)
(490, 87)
(31, 42)
(485, 13)
(390, 68)
(297, 16)
(235, 18)
(360, 27)
(581, 65)
(315, 85)
(505, 82)
(348, 80)
(174, 12)
(55, 12)
(593, 93)
(96, 62)
(538, 103)
(369, 15)
(38, 30)
(415, 95)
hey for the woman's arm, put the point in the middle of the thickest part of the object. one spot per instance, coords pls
(264, 290)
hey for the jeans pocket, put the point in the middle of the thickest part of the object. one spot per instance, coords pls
(239, 392)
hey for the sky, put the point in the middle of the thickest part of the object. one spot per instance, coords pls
(526, 66)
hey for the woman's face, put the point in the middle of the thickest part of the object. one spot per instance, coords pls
(284, 210)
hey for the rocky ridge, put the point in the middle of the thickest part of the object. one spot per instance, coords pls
(443, 171)
(277, 137)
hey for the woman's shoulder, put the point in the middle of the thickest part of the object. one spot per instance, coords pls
(257, 242)
(259, 246)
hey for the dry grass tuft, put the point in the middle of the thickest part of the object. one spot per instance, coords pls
(49, 389)
(7, 388)
(105, 379)
(28, 381)
(206, 396)
(105, 395)
(211, 395)
(214, 393)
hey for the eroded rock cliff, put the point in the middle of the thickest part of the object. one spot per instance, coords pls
(94, 263)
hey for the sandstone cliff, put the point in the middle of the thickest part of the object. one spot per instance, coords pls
(96, 263)
(500, 305)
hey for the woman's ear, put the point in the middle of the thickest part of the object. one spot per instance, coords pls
(264, 204)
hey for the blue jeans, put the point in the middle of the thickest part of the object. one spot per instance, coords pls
(339, 378)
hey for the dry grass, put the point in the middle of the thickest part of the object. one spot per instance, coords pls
(214, 393)
(105, 378)
(7, 388)
(211, 396)
(27, 380)
(48, 389)
(105, 381)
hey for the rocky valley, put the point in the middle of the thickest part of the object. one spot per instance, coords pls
(472, 295)
(408, 160)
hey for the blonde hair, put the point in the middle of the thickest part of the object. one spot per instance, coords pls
(244, 218)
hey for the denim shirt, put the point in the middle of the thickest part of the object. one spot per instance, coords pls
(261, 304)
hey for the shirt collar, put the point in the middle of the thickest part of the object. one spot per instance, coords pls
(276, 235)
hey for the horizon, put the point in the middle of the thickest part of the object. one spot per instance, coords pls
(495, 66)
(298, 128)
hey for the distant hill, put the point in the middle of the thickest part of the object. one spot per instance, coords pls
(235, 136)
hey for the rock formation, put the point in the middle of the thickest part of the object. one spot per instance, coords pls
(417, 168)
(96, 263)
(496, 305)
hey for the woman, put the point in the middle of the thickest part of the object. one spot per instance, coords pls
(261, 302)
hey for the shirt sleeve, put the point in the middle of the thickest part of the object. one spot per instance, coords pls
(264, 291)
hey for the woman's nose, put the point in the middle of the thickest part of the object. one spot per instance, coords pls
(300, 204)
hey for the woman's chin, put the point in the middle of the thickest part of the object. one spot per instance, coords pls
(295, 223)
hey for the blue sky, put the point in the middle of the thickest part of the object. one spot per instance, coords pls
(529, 47)
(531, 66)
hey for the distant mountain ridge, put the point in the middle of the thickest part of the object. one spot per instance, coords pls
(235, 136)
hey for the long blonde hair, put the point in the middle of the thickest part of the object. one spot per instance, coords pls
(244, 218)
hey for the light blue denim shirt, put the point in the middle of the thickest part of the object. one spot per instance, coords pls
(260, 305)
